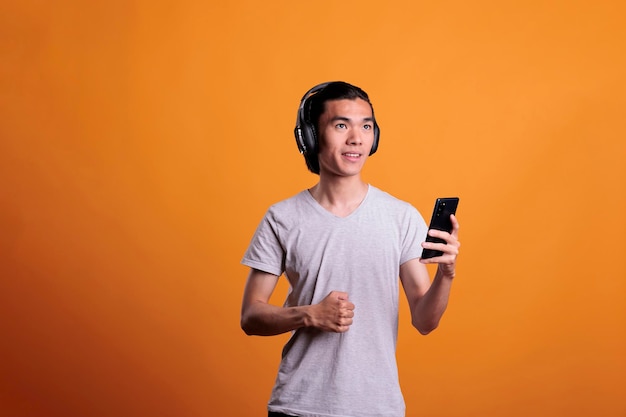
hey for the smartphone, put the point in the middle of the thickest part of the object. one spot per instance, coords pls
(440, 220)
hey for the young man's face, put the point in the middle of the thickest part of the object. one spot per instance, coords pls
(346, 135)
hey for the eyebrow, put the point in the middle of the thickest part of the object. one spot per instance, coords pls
(347, 119)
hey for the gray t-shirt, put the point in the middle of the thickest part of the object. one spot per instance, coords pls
(351, 374)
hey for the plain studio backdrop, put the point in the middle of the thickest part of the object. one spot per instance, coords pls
(142, 141)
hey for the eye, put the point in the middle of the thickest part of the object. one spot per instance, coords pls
(340, 125)
(367, 127)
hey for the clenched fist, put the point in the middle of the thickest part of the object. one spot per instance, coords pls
(333, 314)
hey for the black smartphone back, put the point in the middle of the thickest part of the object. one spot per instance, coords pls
(440, 220)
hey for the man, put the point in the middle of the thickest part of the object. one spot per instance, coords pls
(342, 244)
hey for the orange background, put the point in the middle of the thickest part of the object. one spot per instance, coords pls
(141, 143)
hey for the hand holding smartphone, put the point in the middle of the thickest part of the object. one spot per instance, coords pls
(440, 220)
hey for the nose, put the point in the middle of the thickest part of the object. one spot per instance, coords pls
(355, 137)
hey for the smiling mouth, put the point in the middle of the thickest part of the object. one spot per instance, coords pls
(352, 155)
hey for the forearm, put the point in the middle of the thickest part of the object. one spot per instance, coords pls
(428, 310)
(263, 319)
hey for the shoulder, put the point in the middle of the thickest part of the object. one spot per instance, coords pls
(396, 210)
(389, 201)
(290, 209)
(289, 203)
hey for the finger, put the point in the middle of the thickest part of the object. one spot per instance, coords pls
(342, 329)
(452, 248)
(348, 314)
(345, 322)
(451, 239)
(342, 325)
(343, 296)
(449, 252)
(455, 225)
(438, 233)
(442, 259)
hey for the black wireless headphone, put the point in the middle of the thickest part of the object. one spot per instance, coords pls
(306, 133)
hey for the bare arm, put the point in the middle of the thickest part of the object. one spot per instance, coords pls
(258, 317)
(428, 301)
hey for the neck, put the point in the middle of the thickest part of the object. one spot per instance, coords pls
(340, 196)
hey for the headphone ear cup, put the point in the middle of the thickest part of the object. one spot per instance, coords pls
(305, 132)
(309, 138)
(376, 138)
(306, 137)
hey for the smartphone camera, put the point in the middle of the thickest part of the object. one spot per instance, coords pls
(440, 209)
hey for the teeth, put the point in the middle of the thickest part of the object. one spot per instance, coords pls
(352, 154)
